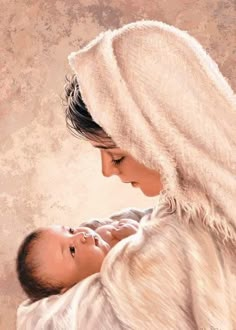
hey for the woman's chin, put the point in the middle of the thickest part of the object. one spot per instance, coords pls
(150, 193)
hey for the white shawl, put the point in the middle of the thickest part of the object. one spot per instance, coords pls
(179, 271)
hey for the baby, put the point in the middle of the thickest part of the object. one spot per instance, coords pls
(52, 259)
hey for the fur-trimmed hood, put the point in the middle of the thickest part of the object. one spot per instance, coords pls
(160, 97)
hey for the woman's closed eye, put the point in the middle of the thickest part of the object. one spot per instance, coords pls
(117, 161)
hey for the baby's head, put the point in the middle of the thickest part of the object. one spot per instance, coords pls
(50, 260)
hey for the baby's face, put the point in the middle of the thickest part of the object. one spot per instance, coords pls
(66, 256)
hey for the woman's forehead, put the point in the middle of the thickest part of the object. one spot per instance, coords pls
(110, 147)
(103, 145)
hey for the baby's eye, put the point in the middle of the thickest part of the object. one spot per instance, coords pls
(71, 231)
(72, 251)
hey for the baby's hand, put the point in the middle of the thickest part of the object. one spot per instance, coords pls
(125, 228)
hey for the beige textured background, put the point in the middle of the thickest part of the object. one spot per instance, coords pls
(46, 175)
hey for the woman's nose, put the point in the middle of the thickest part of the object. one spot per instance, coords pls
(108, 168)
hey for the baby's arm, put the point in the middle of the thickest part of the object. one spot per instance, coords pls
(128, 213)
(119, 226)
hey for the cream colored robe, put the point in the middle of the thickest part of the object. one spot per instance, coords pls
(160, 97)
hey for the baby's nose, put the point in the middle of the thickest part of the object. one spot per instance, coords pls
(87, 238)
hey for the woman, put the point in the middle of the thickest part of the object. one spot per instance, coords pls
(163, 117)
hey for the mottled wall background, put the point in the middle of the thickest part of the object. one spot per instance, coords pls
(46, 175)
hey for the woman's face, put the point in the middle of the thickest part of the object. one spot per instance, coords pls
(115, 161)
(67, 256)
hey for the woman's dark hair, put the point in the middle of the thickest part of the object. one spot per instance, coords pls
(27, 269)
(78, 119)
